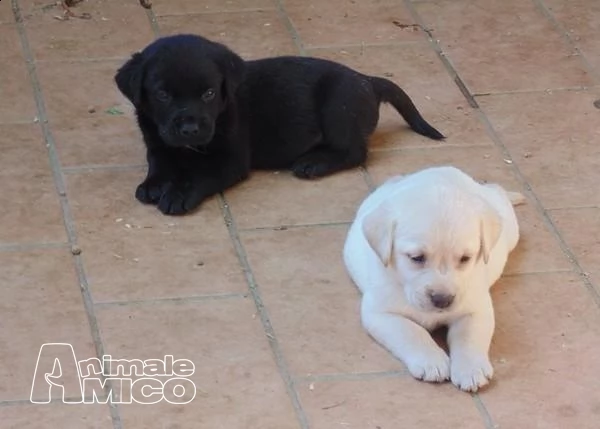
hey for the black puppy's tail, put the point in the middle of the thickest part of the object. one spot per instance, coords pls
(388, 92)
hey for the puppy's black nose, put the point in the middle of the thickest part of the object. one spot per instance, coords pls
(189, 129)
(441, 300)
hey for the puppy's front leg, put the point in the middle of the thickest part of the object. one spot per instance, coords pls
(162, 164)
(209, 178)
(469, 340)
(159, 178)
(407, 341)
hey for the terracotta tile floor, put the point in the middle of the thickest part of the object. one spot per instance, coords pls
(251, 288)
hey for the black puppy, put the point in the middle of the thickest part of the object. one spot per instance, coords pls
(208, 117)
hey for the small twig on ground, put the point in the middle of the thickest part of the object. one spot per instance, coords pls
(337, 404)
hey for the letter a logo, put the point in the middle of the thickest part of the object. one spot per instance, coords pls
(56, 371)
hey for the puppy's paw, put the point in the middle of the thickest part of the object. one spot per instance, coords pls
(310, 170)
(179, 200)
(471, 372)
(314, 165)
(432, 366)
(151, 189)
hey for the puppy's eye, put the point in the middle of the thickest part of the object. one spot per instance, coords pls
(465, 259)
(208, 95)
(162, 96)
(418, 259)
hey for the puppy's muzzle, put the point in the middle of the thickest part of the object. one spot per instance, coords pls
(189, 129)
(441, 300)
(189, 126)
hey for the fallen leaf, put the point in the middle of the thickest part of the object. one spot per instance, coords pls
(115, 111)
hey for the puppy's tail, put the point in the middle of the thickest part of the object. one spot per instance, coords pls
(388, 92)
(516, 198)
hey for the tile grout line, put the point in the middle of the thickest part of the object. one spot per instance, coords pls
(434, 44)
(483, 411)
(534, 91)
(358, 376)
(366, 176)
(390, 44)
(82, 60)
(430, 146)
(262, 311)
(19, 122)
(17, 402)
(559, 208)
(538, 273)
(61, 190)
(25, 247)
(94, 167)
(216, 11)
(295, 226)
(289, 381)
(541, 5)
(153, 22)
(174, 300)
(289, 25)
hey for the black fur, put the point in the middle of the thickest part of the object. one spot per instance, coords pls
(208, 117)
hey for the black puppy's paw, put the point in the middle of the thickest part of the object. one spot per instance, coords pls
(179, 200)
(151, 189)
(311, 169)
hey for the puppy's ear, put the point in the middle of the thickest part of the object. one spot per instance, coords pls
(490, 228)
(233, 69)
(129, 78)
(378, 228)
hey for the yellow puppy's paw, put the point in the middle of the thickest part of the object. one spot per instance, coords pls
(470, 373)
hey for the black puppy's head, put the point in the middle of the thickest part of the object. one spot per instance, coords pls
(182, 83)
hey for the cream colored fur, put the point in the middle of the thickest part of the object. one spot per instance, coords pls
(463, 231)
